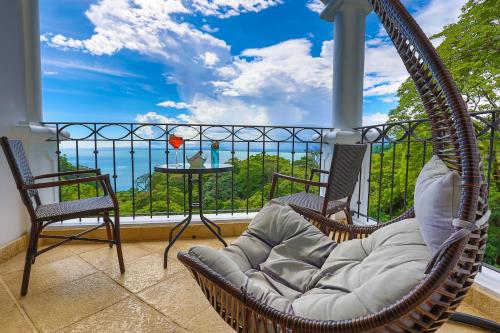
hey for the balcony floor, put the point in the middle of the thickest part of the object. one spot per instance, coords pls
(78, 288)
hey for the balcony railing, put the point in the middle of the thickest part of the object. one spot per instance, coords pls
(399, 150)
(129, 152)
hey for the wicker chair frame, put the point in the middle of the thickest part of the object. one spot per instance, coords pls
(431, 303)
(42, 216)
(342, 178)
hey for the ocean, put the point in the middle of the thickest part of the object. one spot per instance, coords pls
(142, 164)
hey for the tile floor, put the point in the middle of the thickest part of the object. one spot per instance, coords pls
(78, 288)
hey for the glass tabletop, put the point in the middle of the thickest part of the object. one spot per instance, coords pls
(187, 169)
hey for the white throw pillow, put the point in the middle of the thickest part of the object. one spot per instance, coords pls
(437, 200)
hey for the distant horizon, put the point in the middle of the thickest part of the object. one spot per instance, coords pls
(172, 61)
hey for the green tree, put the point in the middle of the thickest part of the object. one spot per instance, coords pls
(470, 49)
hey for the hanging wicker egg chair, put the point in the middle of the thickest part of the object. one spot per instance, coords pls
(431, 303)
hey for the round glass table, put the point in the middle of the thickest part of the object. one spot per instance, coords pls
(189, 171)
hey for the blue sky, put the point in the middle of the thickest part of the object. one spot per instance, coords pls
(262, 62)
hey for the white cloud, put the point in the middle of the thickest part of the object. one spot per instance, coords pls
(62, 42)
(145, 26)
(279, 84)
(87, 67)
(437, 14)
(209, 29)
(384, 70)
(153, 117)
(49, 73)
(149, 132)
(434, 16)
(315, 5)
(374, 119)
(228, 8)
(383, 67)
(391, 99)
(172, 104)
(210, 59)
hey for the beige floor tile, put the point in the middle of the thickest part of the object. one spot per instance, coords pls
(130, 315)
(144, 272)
(66, 291)
(11, 319)
(106, 257)
(184, 244)
(66, 304)
(155, 246)
(178, 297)
(14, 322)
(7, 304)
(50, 275)
(79, 248)
(17, 263)
(208, 322)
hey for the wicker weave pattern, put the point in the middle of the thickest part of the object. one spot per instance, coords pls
(344, 171)
(60, 210)
(437, 296)
(22, 164)
(313, 202)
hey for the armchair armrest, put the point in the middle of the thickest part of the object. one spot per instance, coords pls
(313, 171)
(338, 232)
(101, 178)
(68, 173)
(307, 182)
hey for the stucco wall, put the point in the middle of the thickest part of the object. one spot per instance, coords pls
(13, 110)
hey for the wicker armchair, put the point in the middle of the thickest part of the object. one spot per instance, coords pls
(342, 178)
(42, 215)
(450, 275)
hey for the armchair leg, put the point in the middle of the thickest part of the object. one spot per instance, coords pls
(118, 241)
(108, 229)
(37, 237)
(30, 256)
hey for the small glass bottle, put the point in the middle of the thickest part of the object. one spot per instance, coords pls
(214, 150)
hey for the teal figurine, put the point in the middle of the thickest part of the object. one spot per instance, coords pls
(214, 156)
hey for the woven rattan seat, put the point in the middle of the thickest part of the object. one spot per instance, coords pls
(66, 209)
(342, 178)
(313, 202)
(42, 215)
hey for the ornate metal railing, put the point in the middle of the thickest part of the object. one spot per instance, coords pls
(399, 150)
(129, 152)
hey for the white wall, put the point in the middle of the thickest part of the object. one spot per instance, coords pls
(19, 100)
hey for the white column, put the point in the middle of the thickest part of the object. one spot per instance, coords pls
(31, 38)
(348, 17)
(348, 59)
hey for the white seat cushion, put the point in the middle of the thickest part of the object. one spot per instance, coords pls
(289, 264)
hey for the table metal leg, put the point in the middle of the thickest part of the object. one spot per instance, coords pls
(205, 220)
(185, 223)
(175, 228)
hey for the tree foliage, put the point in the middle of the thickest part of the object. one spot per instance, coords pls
(470, 48)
